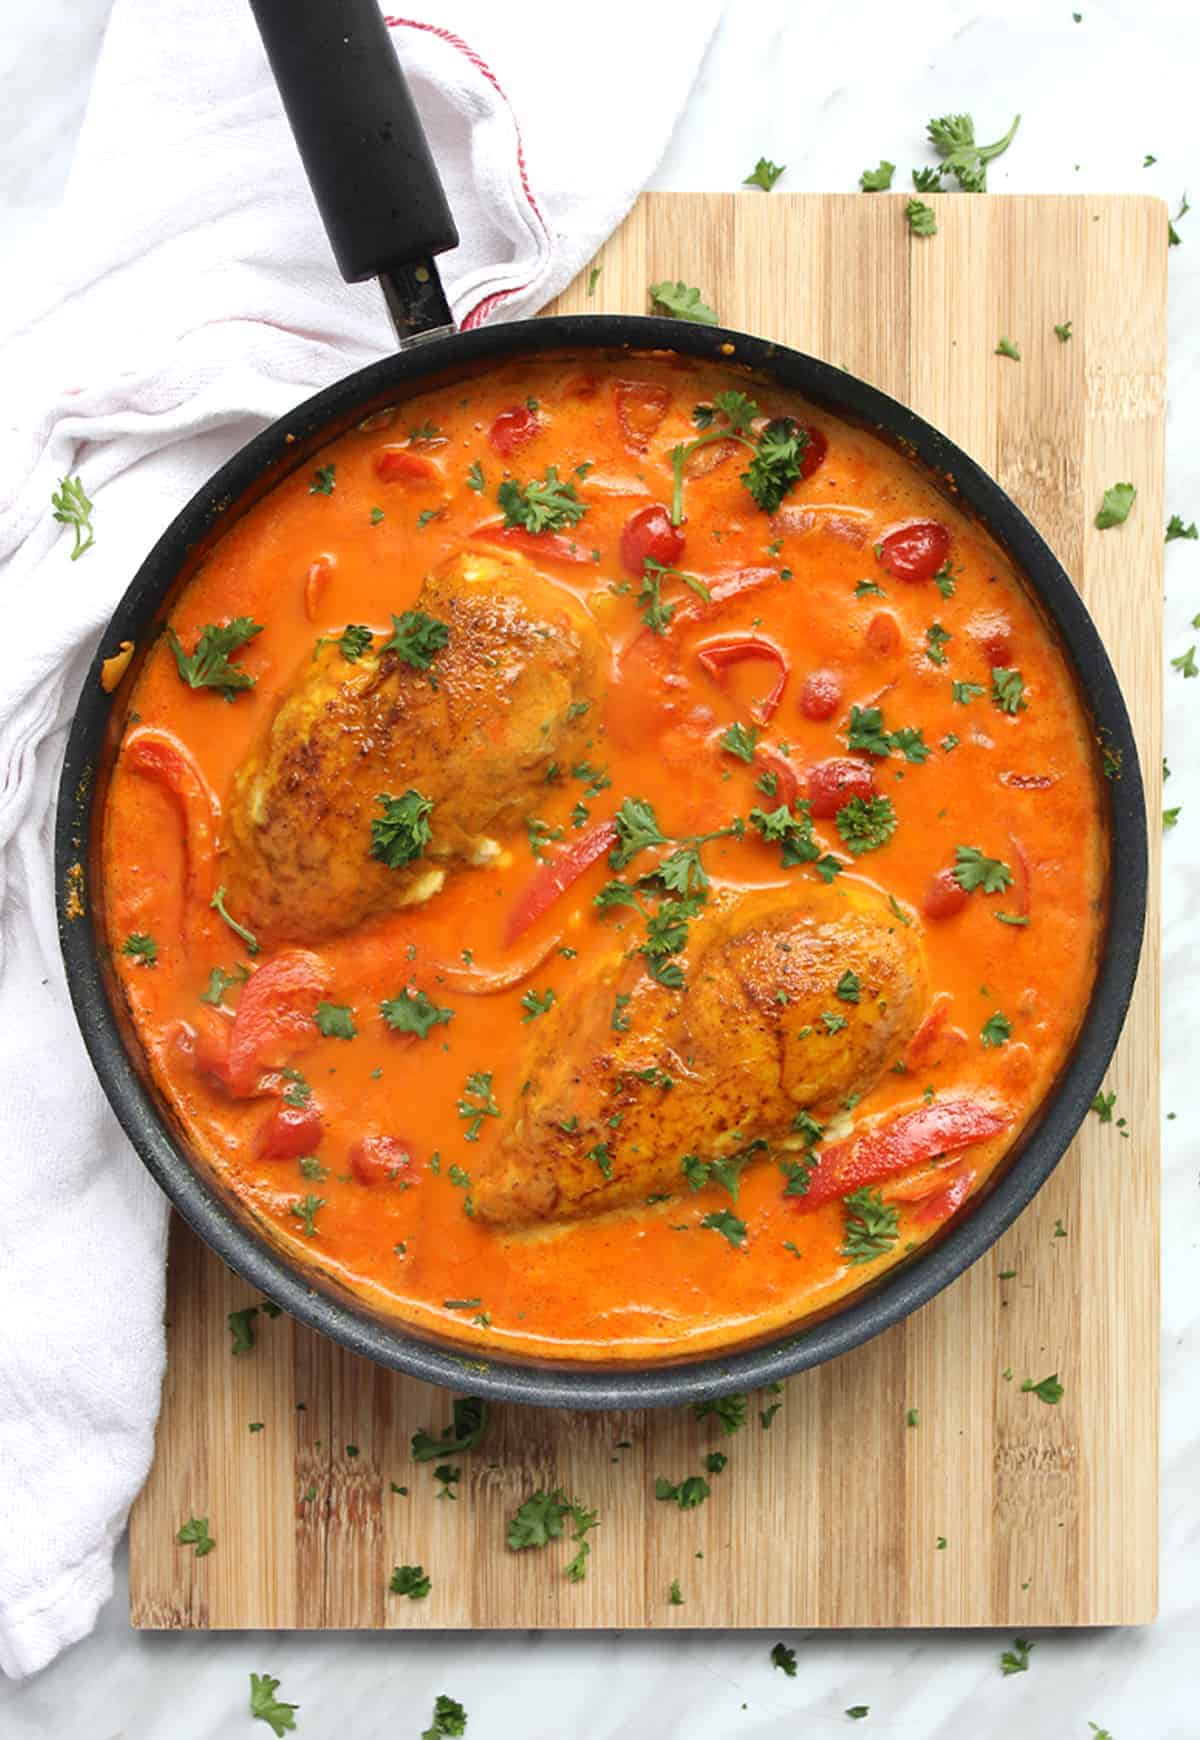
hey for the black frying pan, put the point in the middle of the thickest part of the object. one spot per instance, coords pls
(387, 217)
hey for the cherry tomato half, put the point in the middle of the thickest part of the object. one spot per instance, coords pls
(814, 453)
(382, 1160)
(832, 783)
(820, 695)
(943, 897)
(287, 1132)
(650, 534)
(916, 551)
(513, 429)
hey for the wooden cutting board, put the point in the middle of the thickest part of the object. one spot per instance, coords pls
(833, 1516)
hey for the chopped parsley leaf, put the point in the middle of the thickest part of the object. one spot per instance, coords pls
(209, 667)
(402, 833)
(973, 869)
(218, 905)
(764, 174)
(728, 1225)
(410, 1580)
(1007, 348)
(413, 1012)
(1177, 529)
(141, 948)
(866, 824)
(921, 220)
(535, 1005)
(877, 180)
(872, 1226)
(241, 1328)
(417, 639)
(547, 506)
(266, 1707)
(72, 508)
(682, 300)
(936, 639)
(687, 1495)
(785, 1658)
(1008, 690)
(336, 1020)
(996, 1030)
(730, 1410)
(1114, 508)
(306, 1210)
(194, 1533)
(1016, 1659)
(323, 480)
(477, 1103)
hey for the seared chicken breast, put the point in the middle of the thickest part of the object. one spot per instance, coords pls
(470, 735)
(759, 1034)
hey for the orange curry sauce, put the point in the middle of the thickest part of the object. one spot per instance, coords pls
(644, 1282)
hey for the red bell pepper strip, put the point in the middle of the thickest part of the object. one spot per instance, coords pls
(547, 545)
(274, 1016)
(945, 1127)
(733, 649)
(479, 981)
(943, 1205)
(641, 407)
(159, 756)
(555, 876)
(402, 465)
(319, 575)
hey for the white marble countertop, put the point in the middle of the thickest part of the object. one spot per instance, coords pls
(826, 89)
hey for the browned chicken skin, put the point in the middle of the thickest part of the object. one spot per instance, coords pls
(476, 740)
(746, 1046)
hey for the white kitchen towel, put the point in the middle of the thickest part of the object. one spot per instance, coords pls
(181, 296)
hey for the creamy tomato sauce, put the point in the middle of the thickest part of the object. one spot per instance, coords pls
(862, 641)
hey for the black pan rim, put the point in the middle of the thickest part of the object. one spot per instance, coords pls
(932, 1268)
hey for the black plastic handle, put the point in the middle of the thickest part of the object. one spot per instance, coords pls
(360, 137)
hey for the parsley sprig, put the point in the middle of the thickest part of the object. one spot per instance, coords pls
(209, 666)
(547, 506)
(72, 508)
(778, 452)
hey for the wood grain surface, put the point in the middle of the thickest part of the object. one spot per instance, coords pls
(832, 1516)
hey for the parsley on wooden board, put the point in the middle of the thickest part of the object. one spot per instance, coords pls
(872, 1226)
(1063, 331)
(241, 1327)
(402, 833)
(785, 1658)
(413, 1012)
(194, 1533)
(1047, 1389)
(335, 1020)
(1114, 509)
(541, 1519)
(687, 1495)
(675, 1594)
(764, 174)
(416, 639)
(449, 1720)
(209, 666)
(593, 276)
(217, 903)
(465, 1432)
(1103, 1105)
(716, 1462)
(535, 507)
(729, 1410)
(72, 508)
(141, 948)
(410, 1580)
(683, 301)
(1007, 348)
(266, 1707)
(921, 220)
(877, 180)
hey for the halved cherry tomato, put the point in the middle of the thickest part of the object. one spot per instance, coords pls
(555, 875)
(548, 545)
(641, 407)
(942, 1206)
(820, 695)
(944, 897)
(916, 551)
(649, 535)
(382, 1160)
(814, 453)
(402, 465)
(945, 1127)
(274, 1016)
(514, 429)
(289, 1131)
(733, 649)
(993, 636)
(882, 634)
(832, 783)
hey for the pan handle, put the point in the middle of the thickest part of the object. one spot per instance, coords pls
(364, 152)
